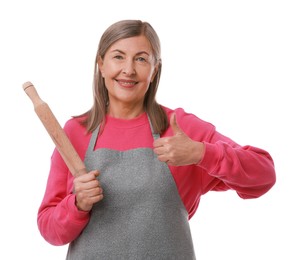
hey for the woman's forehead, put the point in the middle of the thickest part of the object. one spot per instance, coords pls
(136, 44)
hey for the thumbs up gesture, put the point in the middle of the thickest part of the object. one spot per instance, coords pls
(178, 149)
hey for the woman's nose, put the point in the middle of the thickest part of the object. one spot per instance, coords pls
(129, 68)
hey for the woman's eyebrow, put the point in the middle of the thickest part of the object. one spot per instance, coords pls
(117, 50)
(138, 53)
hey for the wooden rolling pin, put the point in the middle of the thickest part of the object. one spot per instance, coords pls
(59, 137)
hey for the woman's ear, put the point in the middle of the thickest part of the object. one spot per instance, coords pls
(100, 65)
(156, 69)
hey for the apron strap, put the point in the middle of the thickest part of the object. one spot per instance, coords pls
(93, 139)
(155, 135)
(94, 136)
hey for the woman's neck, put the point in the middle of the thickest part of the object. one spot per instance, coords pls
(125, 112)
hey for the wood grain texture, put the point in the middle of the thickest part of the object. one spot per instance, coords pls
(54, 129)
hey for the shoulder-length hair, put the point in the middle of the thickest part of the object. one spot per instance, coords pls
(117, 31)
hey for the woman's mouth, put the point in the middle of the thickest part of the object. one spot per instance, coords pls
(126, 83)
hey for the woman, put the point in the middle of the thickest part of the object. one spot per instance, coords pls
(148, 165)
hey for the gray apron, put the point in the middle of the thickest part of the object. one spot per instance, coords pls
(141, 215)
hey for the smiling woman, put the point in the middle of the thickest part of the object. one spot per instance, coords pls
(148, 165)
(128, 68)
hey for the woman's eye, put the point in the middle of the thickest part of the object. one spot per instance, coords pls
(118, 57)
(141, 59)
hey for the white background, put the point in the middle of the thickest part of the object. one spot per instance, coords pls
(232, 63)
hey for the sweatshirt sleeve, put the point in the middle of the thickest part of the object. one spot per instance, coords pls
(59, 221)
(247, 169)
(227, 165)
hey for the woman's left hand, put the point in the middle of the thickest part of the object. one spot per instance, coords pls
(178, 149)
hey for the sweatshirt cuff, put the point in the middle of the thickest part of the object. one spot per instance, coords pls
(211, 158)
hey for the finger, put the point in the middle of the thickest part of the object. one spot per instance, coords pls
(160, 150)
(97, 198)
(92, 175)
(95, 173)
(91, 185)
(175, 127)
(95, 192)
(160, 142)
(85, 201)
(94, 195)
(163, 158)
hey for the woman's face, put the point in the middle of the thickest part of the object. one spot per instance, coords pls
(128, 69)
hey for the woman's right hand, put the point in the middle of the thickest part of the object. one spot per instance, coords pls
(87, 190)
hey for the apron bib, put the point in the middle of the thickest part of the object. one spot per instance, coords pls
(141, 215)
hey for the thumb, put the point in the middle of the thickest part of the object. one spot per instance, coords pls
(95, 173)
(175, 127)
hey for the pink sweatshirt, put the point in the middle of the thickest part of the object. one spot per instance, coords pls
(226, 165)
